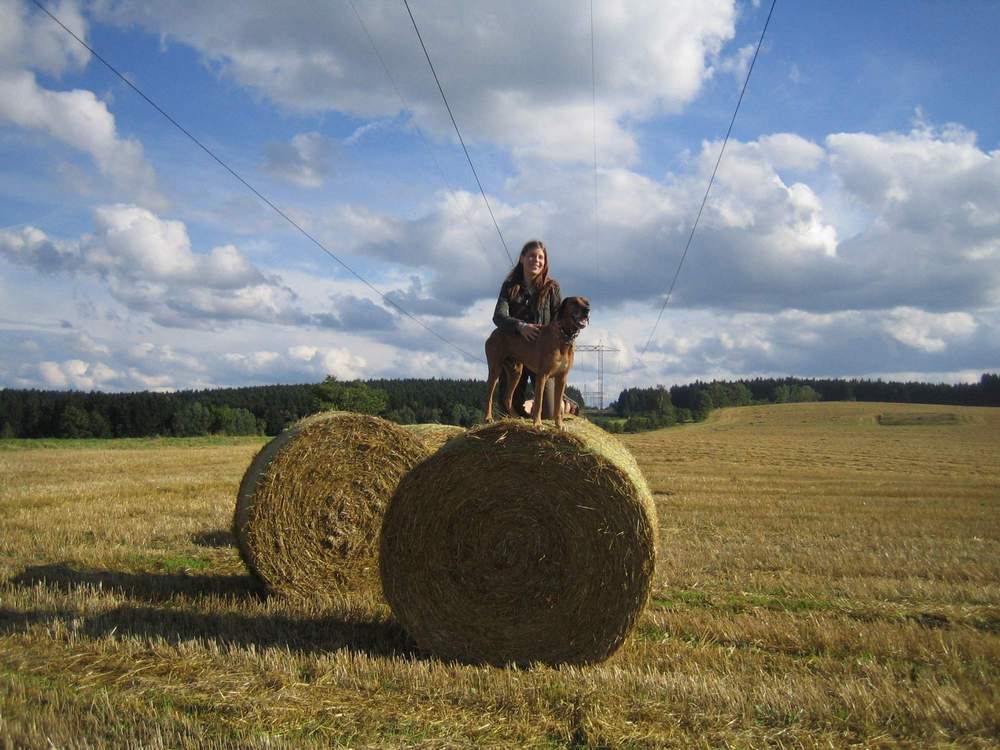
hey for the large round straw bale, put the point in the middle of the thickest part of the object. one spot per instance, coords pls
(432, 435)
(514, 545)
(310, 506)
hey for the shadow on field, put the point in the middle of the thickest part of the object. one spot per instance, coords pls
(149, 587)
(313, 635)
(317, 634)
(176, 624)
(15, 621)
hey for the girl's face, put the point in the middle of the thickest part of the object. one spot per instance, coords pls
(532, 263)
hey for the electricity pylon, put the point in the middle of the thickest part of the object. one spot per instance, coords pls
(600, 349)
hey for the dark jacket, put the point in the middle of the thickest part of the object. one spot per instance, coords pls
(524, 307)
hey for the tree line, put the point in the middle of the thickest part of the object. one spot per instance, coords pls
(650, 408)
(266, 410)
(257, 410)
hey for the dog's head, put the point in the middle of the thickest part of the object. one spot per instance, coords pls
(575, 312)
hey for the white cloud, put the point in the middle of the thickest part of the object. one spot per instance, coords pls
(151, 382)
(303, 352)
(87, 344)
(32, 40)
(149, 355)
(77, 374)
(53, 375)
(30, 246)
(901, 173)
(347, 312)
(77, 118)
(311, 362)
(777, 280)
(690, 344)
(760, 237)
(706, 344)
(367, 129)
(463, 265)
(519, 71)
(790, 151)
(765, 241)
(737, 64)
(149, 266)
(134, 243)
(927, 331)
(304, 161)
(254, 361)
(931, 198)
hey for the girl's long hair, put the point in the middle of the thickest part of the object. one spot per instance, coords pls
(542, 282)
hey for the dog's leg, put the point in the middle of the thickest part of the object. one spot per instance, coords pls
(515, 371)
(560, 390)
(536, 408)
(491, 387)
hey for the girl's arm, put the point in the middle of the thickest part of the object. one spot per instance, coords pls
(501, 314)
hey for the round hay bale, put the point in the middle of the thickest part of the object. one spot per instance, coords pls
(433, 436)
(310, 506)
(514, 545)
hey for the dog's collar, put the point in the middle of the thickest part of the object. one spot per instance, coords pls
(569, 336)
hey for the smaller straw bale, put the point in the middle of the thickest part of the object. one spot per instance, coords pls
(514, 544)
(310, 506)
(434, 435)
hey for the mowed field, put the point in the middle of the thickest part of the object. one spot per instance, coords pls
(829, 577)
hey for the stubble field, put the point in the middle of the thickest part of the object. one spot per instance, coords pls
(829, 577)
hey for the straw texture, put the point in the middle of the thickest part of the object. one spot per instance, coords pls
(514, 545)
(310, 506)
(433, 436)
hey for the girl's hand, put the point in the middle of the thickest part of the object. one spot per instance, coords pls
(530, 331)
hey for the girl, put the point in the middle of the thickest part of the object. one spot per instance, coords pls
(528, 300)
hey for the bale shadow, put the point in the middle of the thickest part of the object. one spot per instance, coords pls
(14, 621)
(304, 635)
(217, 538)
(148, 587)
(173, 624)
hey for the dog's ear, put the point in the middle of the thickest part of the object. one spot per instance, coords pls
(562, 307)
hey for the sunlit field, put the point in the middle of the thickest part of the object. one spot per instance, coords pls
(829, 576)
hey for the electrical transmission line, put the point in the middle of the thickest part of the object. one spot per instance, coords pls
(459, 132)
(593, 86)
(250, 187)
(420, 132)
(711, 181)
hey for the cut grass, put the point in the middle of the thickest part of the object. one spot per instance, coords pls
(677, 600)
(824, 582)
(149, 443)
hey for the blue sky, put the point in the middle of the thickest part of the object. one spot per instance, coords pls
(852, 230)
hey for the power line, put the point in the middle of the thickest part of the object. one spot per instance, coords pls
(250, 187)
(593, 82)
(711, 180)
(406, 106)
(459, 132)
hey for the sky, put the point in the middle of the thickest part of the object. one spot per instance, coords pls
(853, 228)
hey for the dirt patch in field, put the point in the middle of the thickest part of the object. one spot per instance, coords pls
(918, 419)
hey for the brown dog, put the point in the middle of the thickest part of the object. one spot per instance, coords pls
(550, 355)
